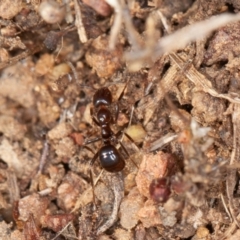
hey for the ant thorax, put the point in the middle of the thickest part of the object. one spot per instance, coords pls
(104, 115)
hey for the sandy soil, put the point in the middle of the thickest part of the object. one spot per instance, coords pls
(172, 68)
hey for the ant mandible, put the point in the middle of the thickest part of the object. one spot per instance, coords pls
(110, 158)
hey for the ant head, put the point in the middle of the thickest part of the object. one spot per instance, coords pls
(102, 96)
(104, 116)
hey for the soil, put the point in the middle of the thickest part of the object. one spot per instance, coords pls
(172, 68)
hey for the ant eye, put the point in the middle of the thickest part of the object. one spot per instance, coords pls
(159, 190)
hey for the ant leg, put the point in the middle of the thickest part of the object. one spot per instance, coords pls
(124, 133)
(97, 123)
(125, 150)
(93, 118)
(93, 140)
(88, 142)
(117, 107)
(122, 145)
(129, 123)
(130, 139)
(117, 135)
(93, 159)
(122, 93)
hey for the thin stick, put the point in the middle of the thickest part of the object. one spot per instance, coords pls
(93, 187)
(235, 157)
(225, 207)
(44, 155)
(18, 58)
(60, 232)
(116, 182)
(79, 23)
(131, 116)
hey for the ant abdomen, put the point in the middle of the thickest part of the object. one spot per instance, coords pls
(110, 159)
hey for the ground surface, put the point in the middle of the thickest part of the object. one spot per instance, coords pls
(183, 134)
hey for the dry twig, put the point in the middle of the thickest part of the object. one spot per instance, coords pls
(201, 82)
(148, 105)
(116, 182)
(79, 23)
(235, 158)
(185, 35)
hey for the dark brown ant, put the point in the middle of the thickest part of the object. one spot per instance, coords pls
(110, 158)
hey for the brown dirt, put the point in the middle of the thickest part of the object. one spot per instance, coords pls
(184, 128)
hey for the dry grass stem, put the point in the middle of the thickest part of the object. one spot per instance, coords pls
(117, 186)
(232, 173)
(201, 82)
(79, 23)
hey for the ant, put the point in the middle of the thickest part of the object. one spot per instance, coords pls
(110, 158)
